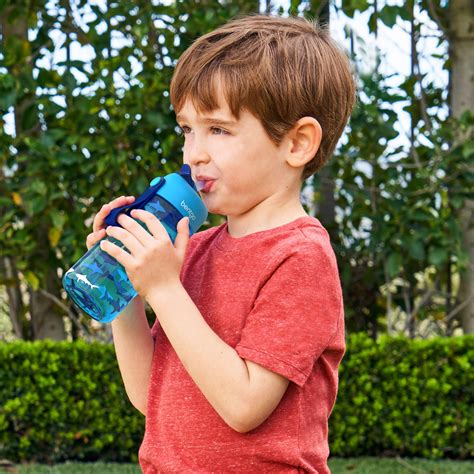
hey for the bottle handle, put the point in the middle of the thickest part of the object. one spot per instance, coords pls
(140, 203)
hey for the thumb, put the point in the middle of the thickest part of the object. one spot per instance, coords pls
(182, 238)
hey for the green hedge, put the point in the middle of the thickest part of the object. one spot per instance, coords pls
(65, 401)
(405, 397)
(61, 401)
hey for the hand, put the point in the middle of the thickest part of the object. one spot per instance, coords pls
(153, 262)
(98, 226)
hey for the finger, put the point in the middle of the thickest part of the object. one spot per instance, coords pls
(98, 222)
(123, 257)
(94, 237)
(99, 219)
(120, 201)
(155, 227)
(136, 229)
(182, 239)
(126, 238)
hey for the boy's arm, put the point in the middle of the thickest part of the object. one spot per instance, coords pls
(134, 350)
(243, 393)
(132, 337)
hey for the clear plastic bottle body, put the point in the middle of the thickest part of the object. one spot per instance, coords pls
(98, 284)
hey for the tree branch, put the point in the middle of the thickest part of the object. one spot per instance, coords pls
(436, 18)
(459, 308)
(65, 308)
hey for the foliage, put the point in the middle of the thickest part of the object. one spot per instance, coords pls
(399, 234)
(405, 397)
(95, 137)
(399, 240)
(65, 401)
(88, 130)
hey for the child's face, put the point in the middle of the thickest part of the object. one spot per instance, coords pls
(241, 168)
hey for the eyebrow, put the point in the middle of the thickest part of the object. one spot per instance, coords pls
(215, 120)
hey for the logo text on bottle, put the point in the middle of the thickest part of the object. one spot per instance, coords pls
(188, 210)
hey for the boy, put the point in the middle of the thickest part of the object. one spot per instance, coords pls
(239, 372)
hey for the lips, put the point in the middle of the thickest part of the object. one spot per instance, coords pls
(208, 186)
(205, 183)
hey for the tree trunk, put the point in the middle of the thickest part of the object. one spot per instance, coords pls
(462, 98)
(326, 208)
(46, 320)
(15, 298)
(46, 317)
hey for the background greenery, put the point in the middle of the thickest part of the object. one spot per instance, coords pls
(65, 401)
(61, 401)
(85, 117)
(93, 125)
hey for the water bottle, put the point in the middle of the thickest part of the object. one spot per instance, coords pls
(97, 283)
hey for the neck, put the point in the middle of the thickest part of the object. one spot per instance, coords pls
(266, 215)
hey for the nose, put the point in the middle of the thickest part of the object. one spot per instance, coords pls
(195, 152)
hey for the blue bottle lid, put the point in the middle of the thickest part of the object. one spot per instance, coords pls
(176, 188)
(180, 191)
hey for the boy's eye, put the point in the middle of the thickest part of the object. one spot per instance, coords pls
(185, 130)
(219, 131)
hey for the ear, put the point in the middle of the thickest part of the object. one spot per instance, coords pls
(304, 140)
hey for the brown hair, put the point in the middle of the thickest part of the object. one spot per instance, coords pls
(279, 69)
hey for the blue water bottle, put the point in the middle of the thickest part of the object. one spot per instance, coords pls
(97, 283)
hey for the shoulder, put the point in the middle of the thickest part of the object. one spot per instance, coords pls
(201, 240)
(306, 242)
(303, 262)
(308, 234)
(205, 236)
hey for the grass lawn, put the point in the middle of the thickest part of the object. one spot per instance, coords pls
(337, 466)
(367, 465)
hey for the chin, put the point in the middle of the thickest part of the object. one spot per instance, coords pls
(216, 210)
(215, 206)
(211, 206)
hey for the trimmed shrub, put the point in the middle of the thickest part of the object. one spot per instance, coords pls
(63, 400)
(66, 401)
(405, 397)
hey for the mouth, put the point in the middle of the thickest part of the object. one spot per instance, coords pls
(208, 185)
(204, 184)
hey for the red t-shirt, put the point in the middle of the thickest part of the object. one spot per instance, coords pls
(275, 297)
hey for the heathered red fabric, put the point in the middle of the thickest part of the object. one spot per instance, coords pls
(275, 297)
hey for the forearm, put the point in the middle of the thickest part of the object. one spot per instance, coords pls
(134, 350)
(216, 368)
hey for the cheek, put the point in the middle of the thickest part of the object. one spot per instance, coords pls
(186, 148)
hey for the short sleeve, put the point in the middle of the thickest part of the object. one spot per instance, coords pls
(296, 313)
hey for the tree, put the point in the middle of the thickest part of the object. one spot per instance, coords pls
(45, 318)
(399, 234)
(461, 35)
(86, 131)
